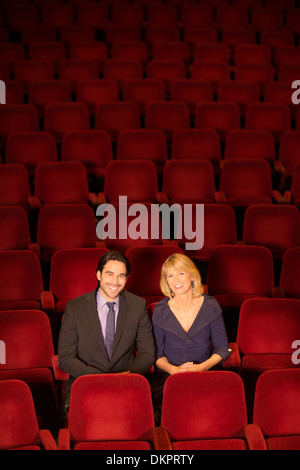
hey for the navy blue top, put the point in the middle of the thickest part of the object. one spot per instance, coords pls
(206, 336)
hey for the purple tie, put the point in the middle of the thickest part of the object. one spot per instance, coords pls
(110, 328)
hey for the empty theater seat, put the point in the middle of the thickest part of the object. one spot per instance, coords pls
(246, 182)
(237, 272)
(168, 116)
(21, 280)
(207, 411)
(265, 334)
(63, 117)
(275, 226)
(92, 147)
(135, 179)
(276, 409)
(289, 284)
(30, 149)
(148, 259)
(197, 181)
(62, 183)
(97, 422)
(22, 432)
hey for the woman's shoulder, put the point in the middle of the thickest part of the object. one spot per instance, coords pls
(212, 305)
(161, 308)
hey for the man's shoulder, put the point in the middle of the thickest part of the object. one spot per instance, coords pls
(133, 298)
(81, 299)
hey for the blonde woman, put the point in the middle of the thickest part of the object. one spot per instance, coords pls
(188, 325)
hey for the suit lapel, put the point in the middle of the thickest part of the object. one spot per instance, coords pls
(92, 313)
(121, 320)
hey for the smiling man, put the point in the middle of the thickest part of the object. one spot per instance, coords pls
(107, 330)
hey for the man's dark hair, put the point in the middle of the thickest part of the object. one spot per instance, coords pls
(113, 255)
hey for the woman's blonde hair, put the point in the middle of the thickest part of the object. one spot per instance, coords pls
(180, 262)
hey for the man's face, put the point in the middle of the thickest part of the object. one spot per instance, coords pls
(112, 279)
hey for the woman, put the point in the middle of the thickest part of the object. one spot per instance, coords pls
(188, 325)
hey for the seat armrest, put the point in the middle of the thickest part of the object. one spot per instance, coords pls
(47, 440)
(58, 373)
(254, 437)
(161, 439)
(234, 360)
(64, 439)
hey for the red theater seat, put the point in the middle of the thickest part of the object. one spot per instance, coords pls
(97, 91)
(122, 70)
(237, 273)
(143, 91)
(207, 410)
(30, 149)
(191, 91)
(44, 92)
(264, 334)
(18, 118)
(197, 181)
(196, 143)
(14, 186)
(250, 144)
(62, 183)
(293, 195)
(22, 432)
(241, 92)
(21, 280)
(31, 70)
(289, 284)
(14, 229)
(168, 117)
(275, 226)
(76, 70)
(95, 420)
(61, 118)
(65, 226)
(92, 147)
(276, 409)
(166, 70)
(115, 116)
(246, 182)
(72, 273)
(222, 116)
(135, 179)
(148, 259)
(143, 144)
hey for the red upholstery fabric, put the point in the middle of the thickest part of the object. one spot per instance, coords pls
(274, 117)
(168, 117)
(43, 92)
(219, 229)
(92, 147)
(238, 272)
(276, 408)
(111, 408)
(143, 144)
(65, 226)
(19, 426)
(289, 277)
(14, 185)
(30, 149)
(116, 116)
(95, 91)
(206, 410)
(265, 329)
(136, 179)
(63, 117)
(62, 183)
(122, 70)
(14, 228)
(73, 273)
(28, 71)
(148, 259)
(21, 283)
(246, 182)
(223, 116)
(196, 143)
(273, 226)
(18, 118)
(143, 91)
(191, 91)
(294, 194)
(249, 144)
(197, 181)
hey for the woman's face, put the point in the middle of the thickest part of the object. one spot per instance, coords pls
(179, 281)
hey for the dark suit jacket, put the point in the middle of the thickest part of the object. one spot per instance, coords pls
(81, 348)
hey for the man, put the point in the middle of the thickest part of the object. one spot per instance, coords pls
(97, 337)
